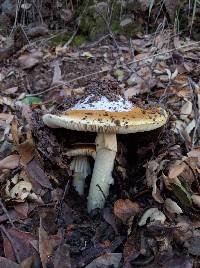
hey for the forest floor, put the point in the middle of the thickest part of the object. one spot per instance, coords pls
(152, 215)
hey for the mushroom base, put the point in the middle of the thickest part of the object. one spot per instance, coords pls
(102, 172)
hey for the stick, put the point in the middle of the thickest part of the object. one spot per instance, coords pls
(66, 83)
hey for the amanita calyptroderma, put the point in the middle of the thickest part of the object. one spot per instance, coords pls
(106, 118)
(80, 164)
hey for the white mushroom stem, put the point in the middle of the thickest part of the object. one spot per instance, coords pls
(81, 167)
(102, 173)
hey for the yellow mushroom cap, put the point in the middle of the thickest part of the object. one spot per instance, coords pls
(120, 122)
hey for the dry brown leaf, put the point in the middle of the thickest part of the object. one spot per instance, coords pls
(46, 245)
(10, 162)
(176, 170)
(57, 76)
(152, 168)
(20, 191)
(6, 263)
(186, 110)
(10, 90)
(106, 260)
(196, 199)
(194, 152)
(22, 242)
(124, 209)
(30, 60)
(131, 91)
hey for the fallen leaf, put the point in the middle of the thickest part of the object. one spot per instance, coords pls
(30, 60)
(172, 206)
(106, 261)
(186, 110)
(20, 191)
(171, 260)
(11, 90)
(196, 199)
(194, 152)
(119, 74)
(31, 100)
(46, 245)
(57, 75)
(176, 170)
(21, 241)
(22, 209)
(87, 55)
(181, 193)
(152, 168)
(28, 262)
(36, 174)
(10, 162)
(110, 218)
(124, 209)
(193, 245)
(62, 257)
(153, 214)
(6, 263)
(132, 91)
(37, 31)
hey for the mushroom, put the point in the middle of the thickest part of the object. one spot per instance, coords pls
(80, 165)
(106, 118)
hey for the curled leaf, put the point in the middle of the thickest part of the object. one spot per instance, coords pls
(154, 214)
(124, 209)
(172, 206)
(181, 193)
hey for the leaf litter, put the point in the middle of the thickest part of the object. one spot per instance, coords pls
(151, 218)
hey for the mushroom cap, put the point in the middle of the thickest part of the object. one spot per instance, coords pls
(120, 122)
(82, 150)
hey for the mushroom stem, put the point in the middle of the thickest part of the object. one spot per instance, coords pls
(81, 167)
(79, 182)
(102, 173)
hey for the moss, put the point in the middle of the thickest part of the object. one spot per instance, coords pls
(115, 26)
(60, 39)
(79, 40)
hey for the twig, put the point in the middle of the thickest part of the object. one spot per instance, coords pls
(71, 38)
(3, 229)
(65, 191)
(60, 205)
(195, 131)
(66, 83)
(101, 191)
(18, 4)
(6, 212)
(165, 52)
